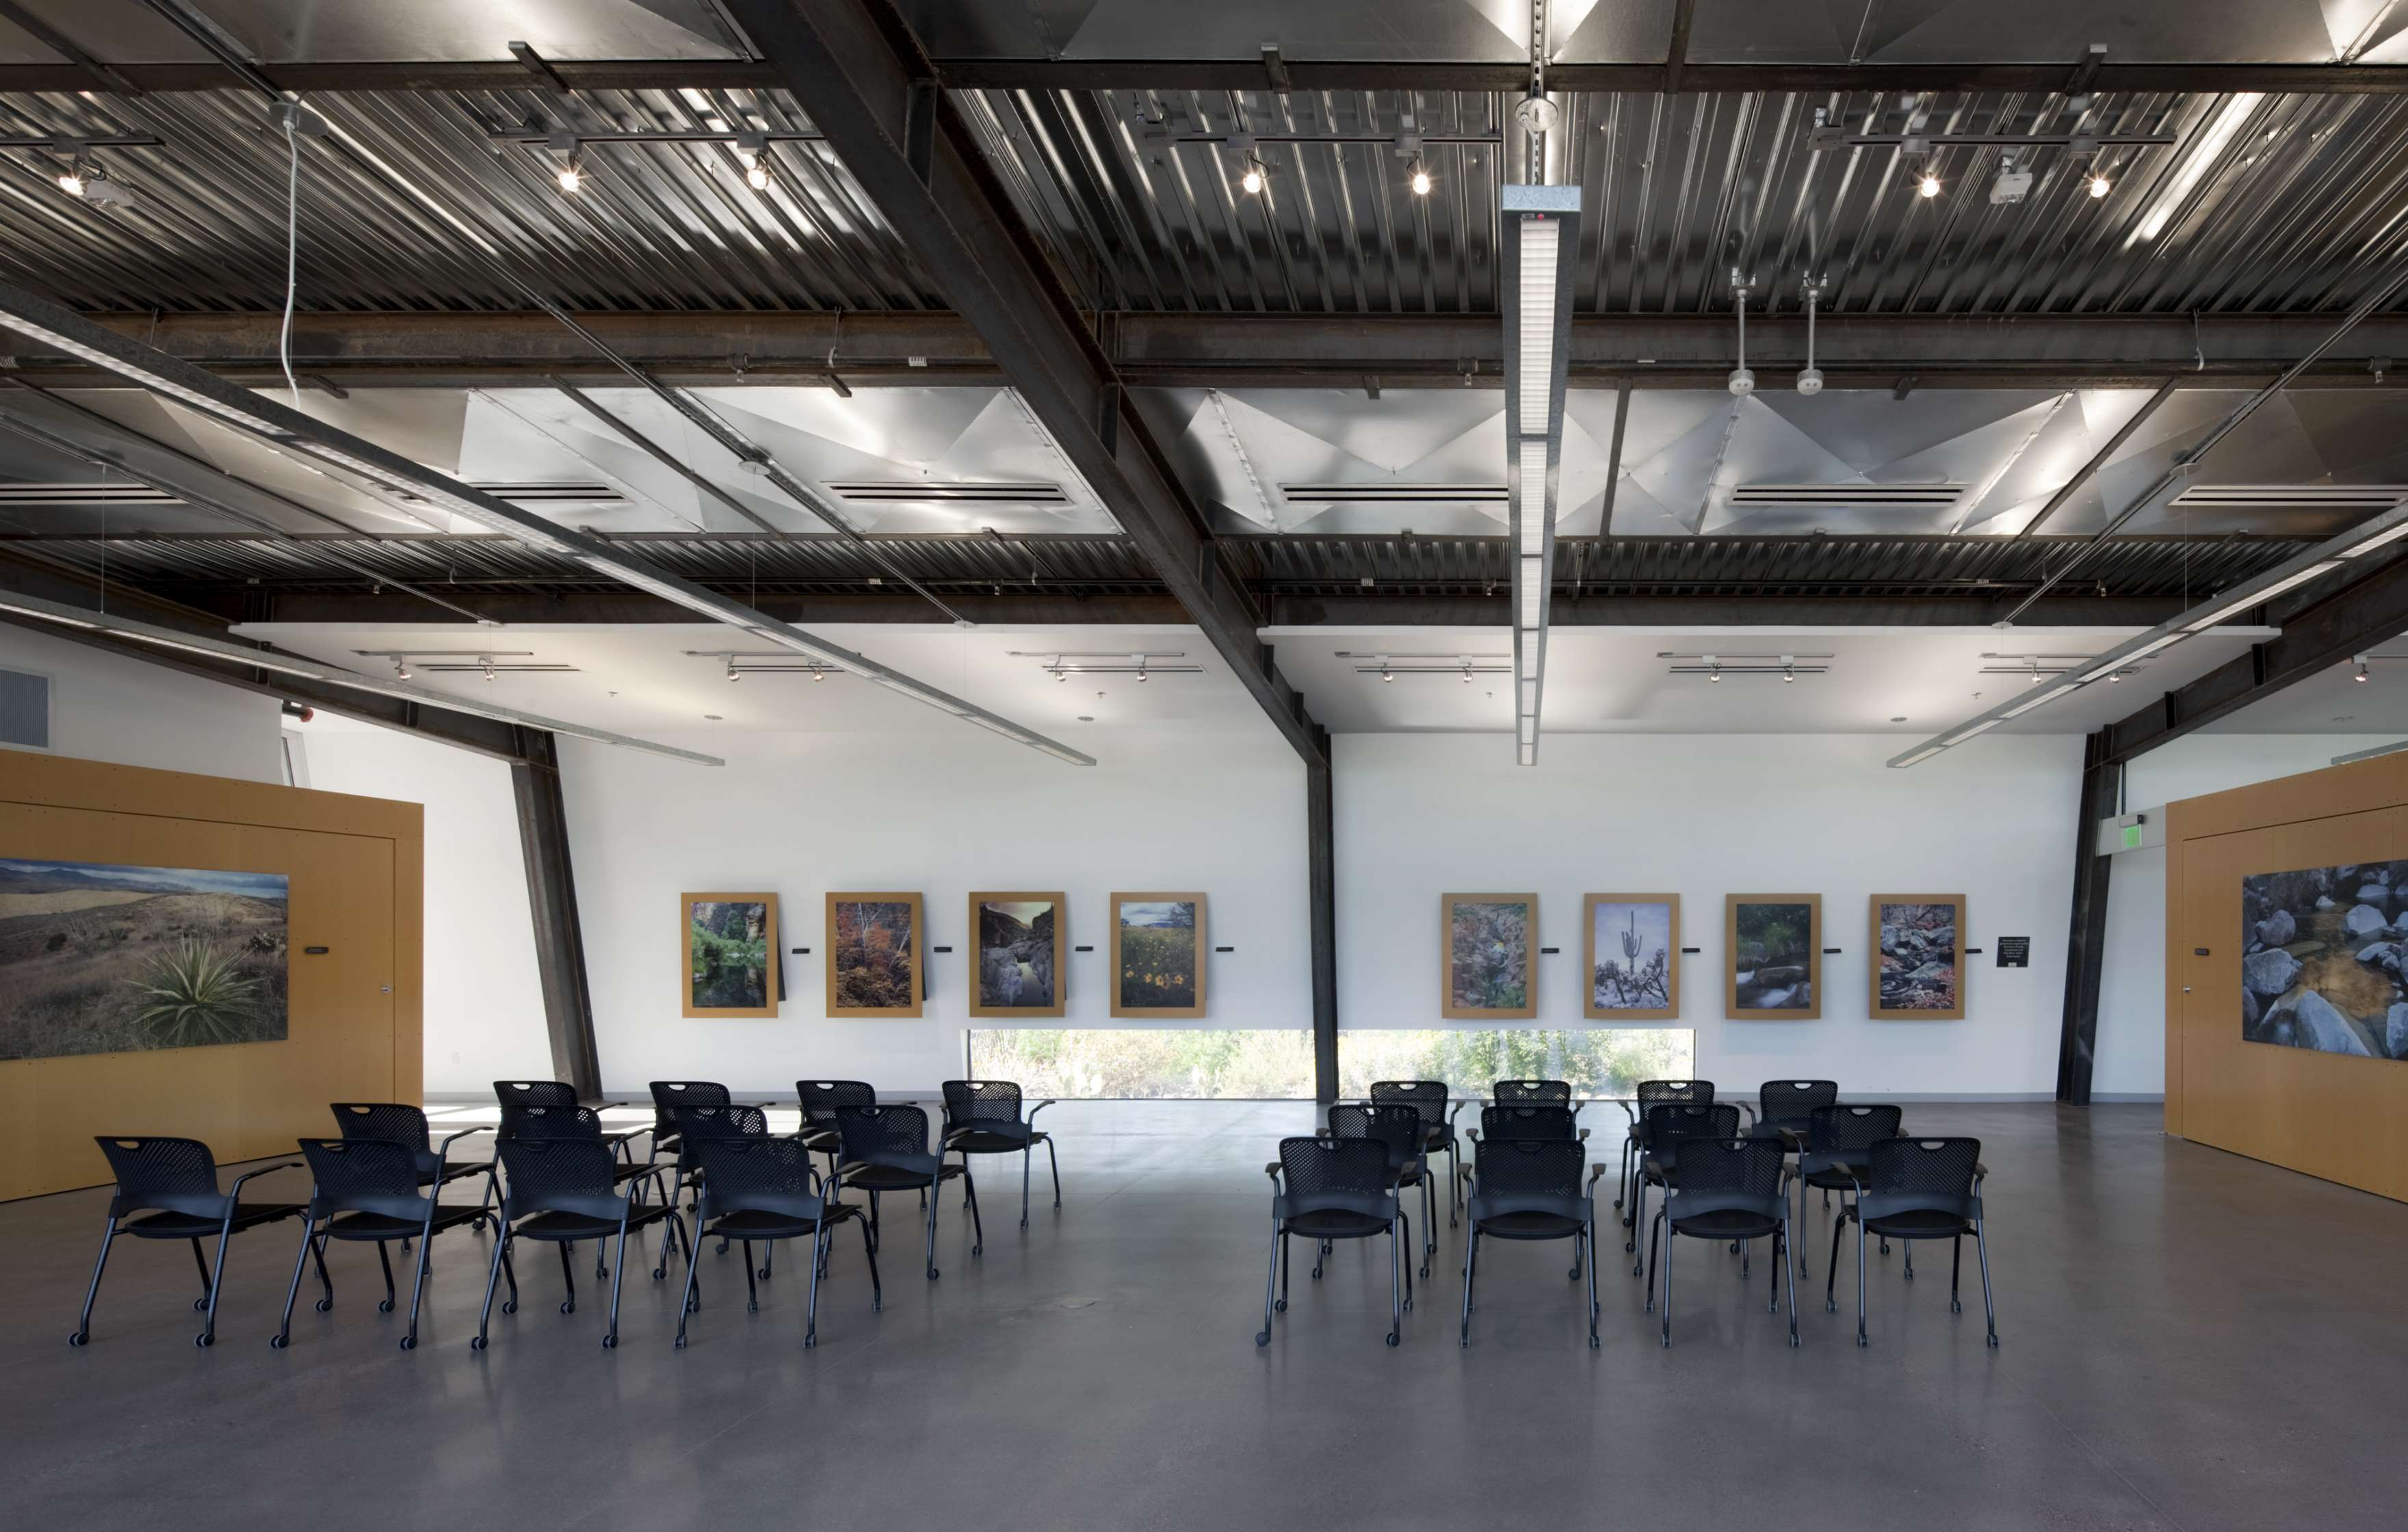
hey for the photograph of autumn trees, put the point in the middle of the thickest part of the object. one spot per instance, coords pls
(1632, 943)
(1773, 956)
(98, 958)
(2323, 955)
(1489, 955)
(1159, 949)
(727, 950)
(874, 954)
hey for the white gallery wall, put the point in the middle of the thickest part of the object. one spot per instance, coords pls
(1420, 815)
(940, 814)
(2131, 1059)
(106, 706)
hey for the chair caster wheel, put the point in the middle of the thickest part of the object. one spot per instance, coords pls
(475, 1226)
(1994, 1342)
(1667, 1342)
(681, 1343)
(1830, 1307)
(199, 1304)
(763, 1273)
(932, 1273)
(205, 1339)
(409, 1342)
(1862, 1341)
(476, 1342)
(609, 1342)
(275, 1342)
(660, 1273)
(978, 1250)
(568, 1308)
(1262, 1338)
(1393, 1338)
(752, 1305)
(1793, 1341)
(77, 1338)
(1281, 1307)
(511, 1306)
(810, 1339)
(1023, 1223)
(1317, 1273)
(1595, 1344)
(1409, 1306)
(385, 1307)
(322, 1305)
(1955, 1307)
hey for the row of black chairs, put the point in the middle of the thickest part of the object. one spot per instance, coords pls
(559, 1177)
(1719, 1183)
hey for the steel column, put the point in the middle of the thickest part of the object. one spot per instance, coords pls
(1320, 854)
(2086, 948)
(551, 899)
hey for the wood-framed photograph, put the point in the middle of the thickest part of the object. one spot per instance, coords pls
(1158, 954)
(1016, 949)
(1918, 946)
(874, 954)
(1490, 944)
(1772, 957)
(1632, 947)
(729, 951)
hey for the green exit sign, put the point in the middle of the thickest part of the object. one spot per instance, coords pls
(2131, 838)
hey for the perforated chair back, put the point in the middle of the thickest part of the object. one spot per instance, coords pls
(1658, 1093)
(1727, 1175)
(1425, 1097)
(1921, 1176)
(669, 1094)
(557, 1121)
(534, 1093)
(1791, 1101)
(896, 1137)
(1398, 1126)
(821, 1099)
(756, 1174)
(696, 1126)
(1530, 1176)
(1669, 1124)
(1846, 1132)
(172, 1175)
(987, 1107)
(383, 1122)
(560, 1175)
(1526, 1121)
(1335, 1175)
(1507, 1092)
(363, 1175)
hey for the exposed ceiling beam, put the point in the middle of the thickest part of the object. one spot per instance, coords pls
(2324, 633)
(1403, 351)
(1305, 75)
(919, 161)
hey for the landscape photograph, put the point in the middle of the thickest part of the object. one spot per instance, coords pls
(1491, 956)
(873, 958)
(1017, 967)
(1774, 956)
(731, 942)
(2323, 951)
(1158, 955)
(1919, 940)
(1634, 971)
(99, 958)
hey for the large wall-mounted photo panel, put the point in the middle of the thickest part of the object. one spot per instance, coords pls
(1016, 957)
(1159, 955)
(100, 958)
(1633, 956)
(2323, 950)
(1772, 957)
(874, 955)
(731, 953)
(1918, 946)
(1491, 956)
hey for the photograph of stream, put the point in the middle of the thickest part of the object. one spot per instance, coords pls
(1774, 959)
(2322, 952)
(1018, 967)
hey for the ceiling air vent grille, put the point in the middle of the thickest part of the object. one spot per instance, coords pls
(1875, 496)
(1378, 493)
(2366, 498)
(921, 492)
(554, 495)
(118, 493)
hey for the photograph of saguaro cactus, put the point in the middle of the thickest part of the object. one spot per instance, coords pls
(1633, 957)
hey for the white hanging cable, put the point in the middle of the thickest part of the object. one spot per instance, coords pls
(291, 248)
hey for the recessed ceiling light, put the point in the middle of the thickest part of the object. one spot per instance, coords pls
(1086, 718)
(1899, 719)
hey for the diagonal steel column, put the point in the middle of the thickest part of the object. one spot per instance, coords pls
(551, 901)
(865, 84)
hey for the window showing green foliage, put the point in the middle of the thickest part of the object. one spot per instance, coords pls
(1199, 1063)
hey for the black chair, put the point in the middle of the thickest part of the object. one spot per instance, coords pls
(753, 1187)
(1530, 1189)
(584, 1125)
(1726, 1189)
(1786, 1108)
(886, 1149)
(1832, 1156)
(363, 1190)
(1919, 1189)
(821, 1100)
(561, 1190)
(1527, 1122)
(689, 1126)
(396, 1123)
(175, 1182)
(1648, 1095)
(1398, 1126)
(534, 1093)
(982, 1117)
(1531, 1093)
(669, 1094)
(1429, 1098)
(1336, 1189)
(1666, 1124)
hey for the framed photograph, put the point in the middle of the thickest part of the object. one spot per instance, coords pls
(1158, 954)
(1919, 942)
(1772, 957)
(874, 954)
(1491, 946)
(1016, 954)
(1633, 956)
(2322, 959)
(730, 944)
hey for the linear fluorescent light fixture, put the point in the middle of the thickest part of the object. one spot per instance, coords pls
(1541, 226)
(2196, 161)
(2378, 530)
(330, 675)
(291, 431)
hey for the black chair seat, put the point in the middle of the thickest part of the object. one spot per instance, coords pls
(971, 1142)
(360, 1225)
(564, 1225)
(1725, 1225)
(754, 1223)
(1334, 1224)
(190, 1226)
(1530, 1225)
(894, 1177)
(1918, 1226)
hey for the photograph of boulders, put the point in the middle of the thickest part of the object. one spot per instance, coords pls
(2322, 952)
(1775, 960)
(1919, 957)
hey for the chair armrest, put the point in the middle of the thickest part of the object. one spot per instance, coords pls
(1628, 1110)
(1455, 1112)
(1031, 1118)
(1273, 1170)
(1595, 1171)
(265, 1170)
(1473, 1134)
(454, 1138)
(1584, 1135)
(1749, 1108)
(1981, 1173)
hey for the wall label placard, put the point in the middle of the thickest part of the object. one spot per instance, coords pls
(2014, 952)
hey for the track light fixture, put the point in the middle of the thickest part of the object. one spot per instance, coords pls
(1420, 179)
(572, 177)
(2359, 660)
(2098, 185)
(1253, 177)
(756, 175)
(1927, 183)
(1714, 671)
(486, 664)
(400, 668)
(734, 674)
(71, 181)
(818, 675)
(1788, 670)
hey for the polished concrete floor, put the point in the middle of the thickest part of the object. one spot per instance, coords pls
(2190, 1340)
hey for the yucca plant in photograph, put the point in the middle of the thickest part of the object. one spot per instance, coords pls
(197, 995)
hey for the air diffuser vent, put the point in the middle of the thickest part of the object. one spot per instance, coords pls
(907, 491)
(1876, 496)
(555, 495)
(2365, 497)
(116, 493)
(1377, 494)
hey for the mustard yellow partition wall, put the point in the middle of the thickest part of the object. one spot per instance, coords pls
(356, 870)
(2343, 1118)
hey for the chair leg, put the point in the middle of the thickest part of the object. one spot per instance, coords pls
(1054, 1163)
(1638, 1215)
(618, 1275)
(325, 1282)
(877, 1293)
(208, 1336)
(1654, 1238)
(1470, 1255)
(202, 1262)
(685, 1300)
(82, 1332)
(811, 1300)
(386, 1262)
(1622, 1176)
(1395, 1289)
(1286, 1265)
(1989, 1310)
(1955, 1266)
(1430, 1222)
(768, 1259)
(752, 1292)
(568, 1281)
(485, 1317)
(1746, 1257)
(1789, 1272)
(1860, 1281)
(1672, 1242)
(1591, 1236)
(1831, 1279)
(1910, 1257)
(931, 1248)
(969, 1195)
(418, 1284)
(1028, 1159)
(1270, 1280)
(1403, 1218)
(873, 1229)
(283, 1335)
